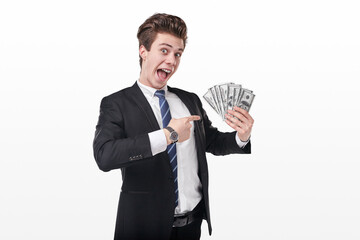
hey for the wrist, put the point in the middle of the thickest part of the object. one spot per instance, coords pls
(244, 141)
(173, 135)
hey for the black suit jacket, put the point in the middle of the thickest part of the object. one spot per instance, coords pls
(147, 199)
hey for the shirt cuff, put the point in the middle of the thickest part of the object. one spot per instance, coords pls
(239, 142)
(158, 141)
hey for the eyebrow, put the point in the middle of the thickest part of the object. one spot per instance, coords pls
(166, 44)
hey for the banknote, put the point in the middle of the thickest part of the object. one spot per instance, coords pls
(216, 101)
(246, 100)
(224, 93)
(233, 94)
(220, 100)
(210, 100)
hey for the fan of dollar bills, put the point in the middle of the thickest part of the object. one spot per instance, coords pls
(225, 96)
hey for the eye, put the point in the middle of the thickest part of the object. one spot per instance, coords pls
(177, 54)
(164, 50)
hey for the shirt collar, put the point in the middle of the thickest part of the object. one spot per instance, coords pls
(149, 91)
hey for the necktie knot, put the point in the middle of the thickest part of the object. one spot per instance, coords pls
(160, 94)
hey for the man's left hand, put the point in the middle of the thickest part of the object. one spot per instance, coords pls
(241, 121)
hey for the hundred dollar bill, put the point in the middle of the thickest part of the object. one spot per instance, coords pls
(246, 100)
(224, 93)
(217, 105)
(210, 100)
(233, 95)
(219, 100)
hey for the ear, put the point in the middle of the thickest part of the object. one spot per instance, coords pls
(143, 52)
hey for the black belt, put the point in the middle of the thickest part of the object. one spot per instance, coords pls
(189, 217)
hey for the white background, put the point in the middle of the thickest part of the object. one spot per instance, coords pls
(301, 58)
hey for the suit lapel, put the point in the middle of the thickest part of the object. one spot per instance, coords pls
(138, 97)
(198, 132)
(193, 109)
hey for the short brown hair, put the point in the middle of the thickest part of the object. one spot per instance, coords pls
(160, 23)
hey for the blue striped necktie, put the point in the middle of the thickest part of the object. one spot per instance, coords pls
(171, 149)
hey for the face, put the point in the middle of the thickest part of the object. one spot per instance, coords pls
(162, 61)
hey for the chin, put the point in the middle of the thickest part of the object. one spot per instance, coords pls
(160, 84)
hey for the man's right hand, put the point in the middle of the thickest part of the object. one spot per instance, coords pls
(182, 126)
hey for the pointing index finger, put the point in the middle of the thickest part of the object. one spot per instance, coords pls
(193, 118)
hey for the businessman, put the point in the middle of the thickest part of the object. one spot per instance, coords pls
(158, 136)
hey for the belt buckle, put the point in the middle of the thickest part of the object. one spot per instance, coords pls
(180, 221)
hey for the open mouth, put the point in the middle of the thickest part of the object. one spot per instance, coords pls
(163, 73)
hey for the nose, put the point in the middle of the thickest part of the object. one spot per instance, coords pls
(170, 59)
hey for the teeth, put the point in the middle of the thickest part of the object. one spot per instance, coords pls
(165, 70)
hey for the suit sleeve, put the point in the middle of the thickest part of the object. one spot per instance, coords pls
(220, 143)
(112, 148)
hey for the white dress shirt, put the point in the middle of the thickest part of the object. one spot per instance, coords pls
(189, 184)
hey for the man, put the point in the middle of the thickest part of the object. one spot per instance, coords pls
(158, 136)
